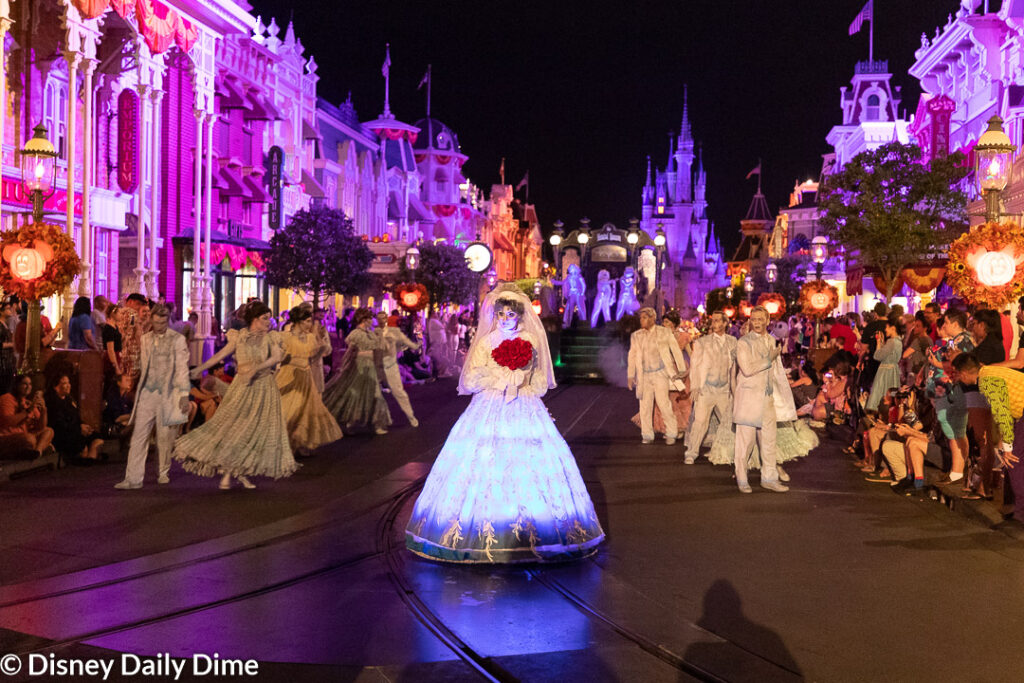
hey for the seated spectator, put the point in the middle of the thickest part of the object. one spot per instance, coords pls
(913, 431)
(805, 384)
(206, 395)
(23, 426)
(8, 363)
(74, 441)
(842, 331)
(832, 401)
(82, 333)
(120, 400)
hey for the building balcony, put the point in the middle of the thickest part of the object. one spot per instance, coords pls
(876, 66)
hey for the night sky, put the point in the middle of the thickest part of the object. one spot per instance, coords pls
(579, 93)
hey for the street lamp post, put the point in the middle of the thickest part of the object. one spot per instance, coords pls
(748, 284)
(556, 246)
(583, 238)
(412, 261)
(771, 273)
(659, 244)
(38, 177)
(819, 253)
(993, 158)
(632, 239)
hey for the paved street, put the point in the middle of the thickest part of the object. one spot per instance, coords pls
(839, 580)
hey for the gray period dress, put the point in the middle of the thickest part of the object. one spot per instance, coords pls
(888, 375)
(353, 396)
(247, 435)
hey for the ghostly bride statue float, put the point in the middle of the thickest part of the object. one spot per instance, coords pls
(505, 486)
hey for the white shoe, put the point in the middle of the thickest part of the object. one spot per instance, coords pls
(689, 460)
(744, 487)
(244, 481)
(163, 479)
(782, 473)
(413, 422)
(647, 442)
(127, 485)
(774, 486)
(669, 441)
(380, 432)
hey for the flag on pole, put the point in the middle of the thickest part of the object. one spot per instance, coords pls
(525, 181)
(425, 80)
(502, 170)
(754, 171)
(386, 69)
(864, 15)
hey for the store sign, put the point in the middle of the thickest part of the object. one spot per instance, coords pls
(13, 192)
(941, 108)
(128, 141)
(275, 157)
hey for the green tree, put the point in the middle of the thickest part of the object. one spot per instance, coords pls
(893, 209)
(444, 273)
(319, 252)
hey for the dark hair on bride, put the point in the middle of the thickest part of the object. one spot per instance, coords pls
(515, 304)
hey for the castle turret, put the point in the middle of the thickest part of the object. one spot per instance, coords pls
(684, 154)
(671, 175)
(647, 196)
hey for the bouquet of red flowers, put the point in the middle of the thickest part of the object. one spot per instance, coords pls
(513, 354)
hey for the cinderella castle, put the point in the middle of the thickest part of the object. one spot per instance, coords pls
(674, 200)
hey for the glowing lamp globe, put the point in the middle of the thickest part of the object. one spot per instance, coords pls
(38, 163)
(555, 239)
(771, 272)
(659, 238)
(412, 258)
(819, 249)
(995, 268)
(492, 278)
(582, 237)
(632, 238)
(536, 288)
(478, 257)
(993, 157)
(748, 285)
(771, 306)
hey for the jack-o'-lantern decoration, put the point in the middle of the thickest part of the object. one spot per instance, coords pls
(730, 311)
(37, 260)
(774, 303)
(986, 265)
(412, 296)
(818, 298)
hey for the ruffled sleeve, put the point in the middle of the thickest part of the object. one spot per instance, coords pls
(232, 336)
(482, 371)
(535, 382)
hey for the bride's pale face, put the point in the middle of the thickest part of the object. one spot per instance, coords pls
(508, 319)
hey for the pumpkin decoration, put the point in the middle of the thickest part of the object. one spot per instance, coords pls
(412, 296)
(818, 298)
(38, 261)
(986, 265)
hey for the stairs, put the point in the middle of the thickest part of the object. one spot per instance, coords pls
(588, 355)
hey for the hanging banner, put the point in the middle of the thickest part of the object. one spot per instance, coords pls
(941, 108)
(127, 141)
(275, 159)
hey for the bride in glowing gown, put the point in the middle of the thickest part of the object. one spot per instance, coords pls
(505, 487)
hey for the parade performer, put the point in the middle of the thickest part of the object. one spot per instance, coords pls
(310, 425)
(161, 399)
(712, 371)
(505, 487)
(353, 395)
(628, 303)
(679, 394)
(760, 377)
(574, 290)
(247, 436)
(655, 366)
(393, 341)
(605, 298)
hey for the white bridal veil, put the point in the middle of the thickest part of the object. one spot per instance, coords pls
(529, 323)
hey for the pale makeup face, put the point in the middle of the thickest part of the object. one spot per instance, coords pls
(305, 326)
(261, 324)
(508, 319)
(646, 321)
(159, 324)
(758, 322)
(718, 323)
(382, 319)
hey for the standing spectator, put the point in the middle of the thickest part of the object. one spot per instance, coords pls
(869, 339)
(133, 324)
(9, 314)
(46, 337)
(948, 397)
(23, 420)
(100, 304)
(113, 343)
(82, 333)
(932, 313)
(72, 439)
(842, 331)
(8, 364)
(437, 344)
(888, 350)
(988, 337)
(916, 346)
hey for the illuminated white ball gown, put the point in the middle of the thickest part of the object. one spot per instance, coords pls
(505, 487)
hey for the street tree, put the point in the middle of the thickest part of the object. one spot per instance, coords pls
(894, 209)
(319, 252)
(443, 272)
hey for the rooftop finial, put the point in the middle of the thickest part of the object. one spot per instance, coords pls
(684, 127)
(386, 71)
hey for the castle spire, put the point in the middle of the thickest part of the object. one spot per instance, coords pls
(647, 183)
(684, 127)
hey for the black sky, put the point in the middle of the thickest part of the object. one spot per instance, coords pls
(579, 93)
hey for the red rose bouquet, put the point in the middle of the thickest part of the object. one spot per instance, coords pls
(514, 354)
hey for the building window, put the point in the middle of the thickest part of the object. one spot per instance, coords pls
(247, 147)
(224, 148)
(55, 113)
(102, 250)
(873, 108)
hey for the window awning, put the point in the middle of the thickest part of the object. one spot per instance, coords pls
(308, 131)
(234, 185)
(235, 97)
(258, 193)
(311, 186)
(262, 109)
(418, 210)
